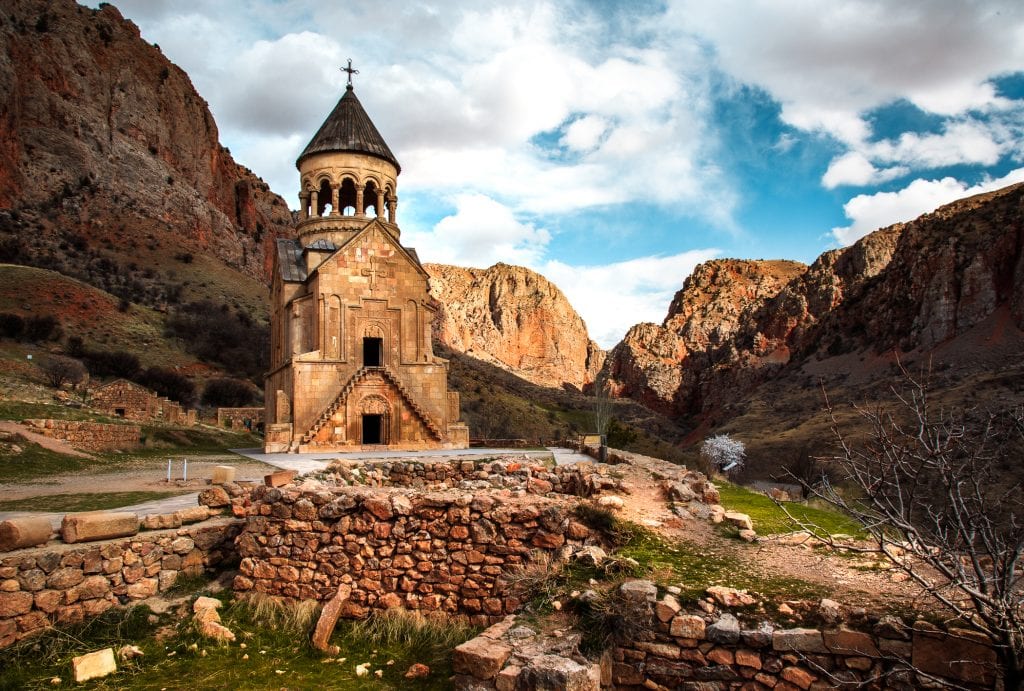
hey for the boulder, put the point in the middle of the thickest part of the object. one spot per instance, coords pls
(730, 597)
(740, 520)
(725, 631)
(98, 525)
(28, 531)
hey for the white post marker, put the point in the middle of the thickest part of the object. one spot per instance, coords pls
(168, 471)
(184, 475)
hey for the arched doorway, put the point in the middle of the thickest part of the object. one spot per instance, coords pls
(374, 420)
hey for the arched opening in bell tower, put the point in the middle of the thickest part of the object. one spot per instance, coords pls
(347, 197)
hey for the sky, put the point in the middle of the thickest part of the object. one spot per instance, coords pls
(613, 146)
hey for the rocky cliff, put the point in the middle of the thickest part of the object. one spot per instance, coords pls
(108, 153)
(514, 318)
(909, 288)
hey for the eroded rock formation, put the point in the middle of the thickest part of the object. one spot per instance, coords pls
(514, 318)
(109, 143)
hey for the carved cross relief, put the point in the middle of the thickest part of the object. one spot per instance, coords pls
(378, 269)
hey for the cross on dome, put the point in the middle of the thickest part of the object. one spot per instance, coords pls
(349, 70)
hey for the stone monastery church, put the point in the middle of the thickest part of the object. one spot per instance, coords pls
(351, 357)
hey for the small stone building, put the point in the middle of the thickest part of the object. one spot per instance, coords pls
(122, 398)
(352, 361)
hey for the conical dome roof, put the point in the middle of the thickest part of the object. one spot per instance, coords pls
(349, 128)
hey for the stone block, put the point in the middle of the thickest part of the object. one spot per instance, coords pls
(93, 665)
(556, 672)
(639, 592)
(28, 531)
(329, 617)
(193, 514)
(799, 640)
(223, 474)
(15, 604)
(960, 655)
(725, 631)
(688, 626)
(481, 657)
(98, 525)
(849, 642)
(214, 497)
(279, 478)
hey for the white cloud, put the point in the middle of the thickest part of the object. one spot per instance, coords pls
(585, 133)
(854, 168)
(827, 64)
(481, 232)
(613, 297)
(870, 212)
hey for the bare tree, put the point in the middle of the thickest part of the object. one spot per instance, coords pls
(930, 489)
(61, 370)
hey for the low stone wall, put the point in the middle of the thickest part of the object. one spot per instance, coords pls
(88, 436)
(70, 583)
(668, 648)
(236, 418)
(512, 473)
(436, 551)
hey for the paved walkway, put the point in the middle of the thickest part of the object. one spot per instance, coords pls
(308, 462)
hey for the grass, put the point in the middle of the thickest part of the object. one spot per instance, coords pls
(693, 568)
(769, 519)
(271, 651)
(82, 502)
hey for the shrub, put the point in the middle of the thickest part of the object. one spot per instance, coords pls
(228, 393)
(112, 363)
(11, 325)
(60, 370)
(170, 383)
(41, 328)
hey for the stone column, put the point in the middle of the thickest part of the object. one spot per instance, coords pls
(304, 205)
(392, 208)
(359, 200)
(379, 207)
(314, 203)
(335, 211)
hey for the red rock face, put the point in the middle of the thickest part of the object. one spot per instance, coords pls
(514, 318)
(100, 127)
(913, 286)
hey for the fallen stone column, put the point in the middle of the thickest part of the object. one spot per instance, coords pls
(98, 525)
(24, 532)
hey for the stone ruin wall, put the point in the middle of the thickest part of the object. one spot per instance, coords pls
(66, 584)
(88, 436)
(434, 536)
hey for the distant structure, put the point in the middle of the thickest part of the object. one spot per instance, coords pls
(352, 362)
(122, 398)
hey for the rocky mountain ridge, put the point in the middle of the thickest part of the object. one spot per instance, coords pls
(514, 318)
(906, 289)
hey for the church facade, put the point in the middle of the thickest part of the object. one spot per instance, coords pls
(352, 362)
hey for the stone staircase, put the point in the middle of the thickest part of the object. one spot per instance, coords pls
(343, 395)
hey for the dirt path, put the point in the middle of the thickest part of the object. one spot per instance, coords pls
(137, 474)
(845, 578)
